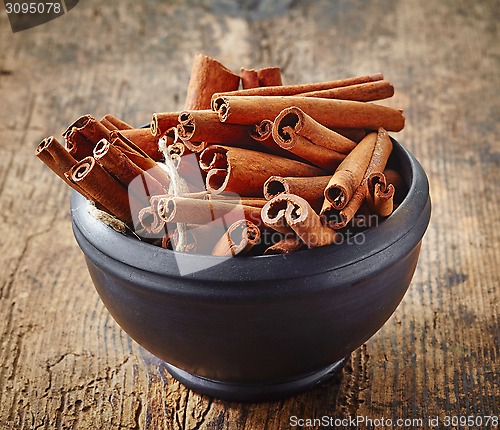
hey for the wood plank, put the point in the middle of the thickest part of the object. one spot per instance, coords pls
(64, 363)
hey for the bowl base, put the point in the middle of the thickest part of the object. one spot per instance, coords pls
(254, 392)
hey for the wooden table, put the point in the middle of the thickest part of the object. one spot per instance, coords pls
(64, 363)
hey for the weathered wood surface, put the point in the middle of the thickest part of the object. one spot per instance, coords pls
(64, 363)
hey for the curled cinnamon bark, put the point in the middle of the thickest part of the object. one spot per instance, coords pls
(59, 160)
(115, 123)
(124, 169)
(244, 172)
(267, 77)
(285, 246)
(289, 210)
(208, 76)
(380, 194)
(309, 188)
(240, 237)
(102, 187)
(366, 92)
(81, 136)
(331, 113)
(197, 128)
(347, 188)
(200, 211)
(163, 121)
(291, 90)
(149, 218)
(142, 138)
(142, 160)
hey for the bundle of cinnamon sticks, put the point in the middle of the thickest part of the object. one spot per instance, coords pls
(250, 166)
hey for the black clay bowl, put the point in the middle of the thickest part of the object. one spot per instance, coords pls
(256, 328)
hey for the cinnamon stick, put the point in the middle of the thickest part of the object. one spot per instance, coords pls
(266, 77)
(149, 218)
(197, 128)
(309, 188)
(331, 113)
(291, 90)
(142, 138)
(102, 187)
(163, 121)
(240, 237)
(244, 172)
(285, 246)
(380, 194)
(117, 123)
(365, 92)
(125, 170)
(289, 210)
(142, 160)
(347, 188)
(199, 211)
(59, 160)
(81, 136)
(300, 134)
(208, 76)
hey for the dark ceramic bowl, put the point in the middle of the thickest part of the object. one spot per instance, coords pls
(257, 328)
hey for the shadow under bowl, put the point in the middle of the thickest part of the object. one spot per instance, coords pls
(263, 327)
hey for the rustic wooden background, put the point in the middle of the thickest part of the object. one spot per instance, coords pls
(64, 363)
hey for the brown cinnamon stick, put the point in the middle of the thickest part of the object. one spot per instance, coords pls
(103, 188)
(200, 211)
(81, 136)
(291, 90)
(285, 246)
(331, 113)
(59, 160)
(309, 188)
(126, 171)
(300, 134)
(244, 172)
(142, 138)
(365, 92)
(240, 237)
(208, 76)
(197, 128)
(380, 194)
(149, 218)
(266, 77)
(163, 121)
(296, 213)
(117, 123)
(347, 189)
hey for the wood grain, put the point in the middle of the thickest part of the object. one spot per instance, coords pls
(64, 363)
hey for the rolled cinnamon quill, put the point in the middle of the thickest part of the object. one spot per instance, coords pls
(149, 218)
(59, 160)
(347, 188)
(240, 237)
(298, 133)
(114, 123)
(365, 92)
(103, 188)
(289, 244)
(200, 211)
(269, 76)
(81, 136)
(331, 113)
(197, 128)
(296, 213)
(309, 188)
(125, 170)
(380, 194)
(208, 76)
(163, 121)
(291, 90)
(244, 172)
(142, 138)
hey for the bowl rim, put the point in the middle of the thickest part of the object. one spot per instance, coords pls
(150, 258)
